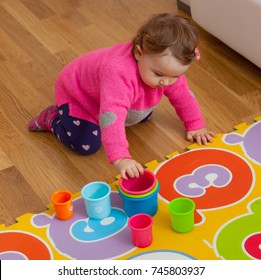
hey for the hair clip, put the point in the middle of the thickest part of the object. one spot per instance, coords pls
(197, 54)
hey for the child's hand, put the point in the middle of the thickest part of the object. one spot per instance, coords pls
(130, 167)
(201, 136)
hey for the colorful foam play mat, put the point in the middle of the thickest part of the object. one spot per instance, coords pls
(224, 181)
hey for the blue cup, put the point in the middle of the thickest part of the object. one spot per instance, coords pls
(146, 205)
(96, 196)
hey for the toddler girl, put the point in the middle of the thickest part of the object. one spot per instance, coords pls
(100, 93)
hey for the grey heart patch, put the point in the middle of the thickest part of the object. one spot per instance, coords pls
(107, 119)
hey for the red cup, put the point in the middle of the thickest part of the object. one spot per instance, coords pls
(141, 185)
(62, 201)
(141, 229)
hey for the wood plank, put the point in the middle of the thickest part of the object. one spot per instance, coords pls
(21, 198)
(4, 160)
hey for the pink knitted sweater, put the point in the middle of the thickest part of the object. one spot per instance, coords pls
(104, 87)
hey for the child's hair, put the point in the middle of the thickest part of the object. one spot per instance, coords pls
(168, 31)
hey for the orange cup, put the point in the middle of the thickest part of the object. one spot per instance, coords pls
(62, 201)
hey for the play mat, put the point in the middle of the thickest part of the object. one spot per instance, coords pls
(223, 179)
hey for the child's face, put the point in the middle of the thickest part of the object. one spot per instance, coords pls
(158, 70)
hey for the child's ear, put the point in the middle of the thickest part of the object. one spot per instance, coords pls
(138, 52)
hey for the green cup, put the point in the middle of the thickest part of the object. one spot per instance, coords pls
(182, 214)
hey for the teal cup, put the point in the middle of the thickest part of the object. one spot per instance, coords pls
(146, 205)
(96, 196)
(182, 214)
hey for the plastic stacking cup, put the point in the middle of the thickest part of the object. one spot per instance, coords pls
(97, 201)
(141, 230)
(141, 185)
(62, 201)
(182, 214)
(140, 195)
(147, 205)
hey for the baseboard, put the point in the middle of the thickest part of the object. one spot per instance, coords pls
(184, 7)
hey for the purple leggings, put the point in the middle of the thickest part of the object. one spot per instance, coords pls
(80, 135)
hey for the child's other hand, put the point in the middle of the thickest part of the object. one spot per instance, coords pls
(201, 136)
(128, 168)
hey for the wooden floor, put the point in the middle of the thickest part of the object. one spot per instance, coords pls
(37, 38)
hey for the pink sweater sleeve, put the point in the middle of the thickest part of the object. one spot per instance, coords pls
(185, 104)
(116, 95)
